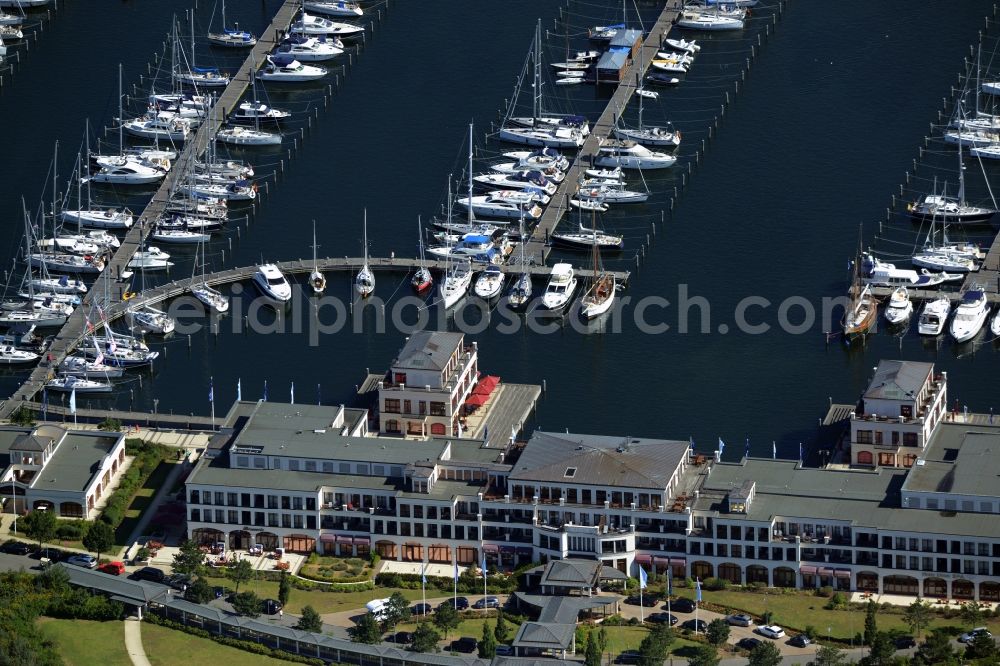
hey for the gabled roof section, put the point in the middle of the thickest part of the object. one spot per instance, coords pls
(898, 380)
(30, 442)
(625, 462)
(428, 350)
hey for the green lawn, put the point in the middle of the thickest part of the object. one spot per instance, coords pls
(87, 643)
(797, 610)
(143, 498)
(169, 647)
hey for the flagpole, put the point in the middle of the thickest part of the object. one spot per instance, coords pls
(456, 582)
(485, 606)
(642, 617)
(423, 589)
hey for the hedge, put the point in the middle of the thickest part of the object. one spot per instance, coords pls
(147, 457)
(246, 646)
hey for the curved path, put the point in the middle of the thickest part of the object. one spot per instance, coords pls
(133, 642)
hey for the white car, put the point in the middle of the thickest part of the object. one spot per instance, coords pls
(86, 561)
(967, 637)
(771, 631)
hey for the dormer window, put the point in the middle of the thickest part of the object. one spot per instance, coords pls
(570, 472)
(906, 411)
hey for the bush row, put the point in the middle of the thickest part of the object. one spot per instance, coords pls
(147, 457)
(247, 646)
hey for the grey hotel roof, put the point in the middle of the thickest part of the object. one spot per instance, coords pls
(898, 380)
(598, 460)
(960, 460)
(75, 462)
(428, 350)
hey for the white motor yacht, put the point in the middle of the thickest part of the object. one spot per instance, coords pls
(520, 180)
(285, 69)
(308, 24)
(489, 284)
(900, 308)
(161, 126)
(631, 155)
(560, 289)
(970, 315)
(711, 20)
(881, 274)
(934, 316)
(272, 283)
(500, 206)
(258, 113)
(539, 159)
(332, 7)
(127, 173)
(11, 355)
(311, 49)
(245, 136)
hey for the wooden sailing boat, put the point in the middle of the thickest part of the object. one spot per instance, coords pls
(316, 278)
(422, 279)
(601, 295)
(364, 282)
(862, 312)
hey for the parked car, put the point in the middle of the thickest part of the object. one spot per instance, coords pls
(151, 574)
(504, 650)
(661, 618)
(179, 581)
(628, 657)
(800, 641)
(487, 602)
(85, 561)
(464, 644)
(15, 547)
(771, 631)
(648, 600)
(112, 568)
(682, 605)
(271, 606)
(402, 638)
(905, 642)
(741, 620)
(51, 554)
(748, 643)
(421, 609)
(695, 625)
(459, 603)
(967, 637)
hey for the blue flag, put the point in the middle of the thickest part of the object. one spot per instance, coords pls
(293, 394)
(697, 590)
(774, 449)
(484, 565)
(691, 442)
(423, 573)
(801, 456)
(318, 402)
(670, 581)
(211, 391)
(456, 572)
(239, 391)
(643, 579)
(722, 447)
(746, 452)
(265, 390)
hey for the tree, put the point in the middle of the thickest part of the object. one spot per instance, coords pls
(972, 614)
(425, 638)
(310, 620)
(765, 654)
(284, 588)
(881, 651)
(917, 616)
(488, 643)
(717, 632)
(936, 649)
(367, 630)
(396, 610)
(189, 559)
(828, 655)
(602, 639)
(246, 604)
(39, 525)
(446, 618)
(100, 538)
(592, 655)
(502, 630)
(241, 572)
(871, 627)
(655, 646)
(704, 655)
(200, 591)
(55, 579)
(982, 646)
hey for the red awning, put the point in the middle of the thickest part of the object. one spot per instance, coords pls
(643, 559)
(476, 400)
(328, 538)
(490, 548)
(344, 539)
(678, 561)
(662, 561)
(825, 571)
(806, 569)
(486, 385)
(361, 541)
(842, 573)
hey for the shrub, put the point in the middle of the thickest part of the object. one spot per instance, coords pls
(715, 584)
(110, 425)
(70, 530)
(825, 591)
(611, 620)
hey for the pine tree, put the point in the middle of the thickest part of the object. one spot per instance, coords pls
(284, 588)
(367, 630)
(871, 627)
(488, 643)
(502, 630)
(310, 620)
(592, 655)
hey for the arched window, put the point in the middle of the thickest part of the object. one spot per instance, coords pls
(865, 458)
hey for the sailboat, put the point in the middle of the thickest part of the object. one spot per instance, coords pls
(649, 136)
(234, 38)
(245, 136)
(90, 217)
(540, 129)
(203, 77)
(211, 297)
(145, 318)
(316, 278)
(862, 311)
(422, 279)
(520, 293)
(364, 281)
(950, 210)
(601, 295)
(458, 274)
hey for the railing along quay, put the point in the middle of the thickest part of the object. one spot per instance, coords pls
(107, 282)
(537, 246)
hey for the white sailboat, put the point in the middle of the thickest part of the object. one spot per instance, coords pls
(422, 279)
(364, 281)
(11, 355)
(316, 278)
(601, 295)
(72, 383)
(202, 77)
(211, 297)
(651, 136)
(333, 7)
(234, 38)
(520, 293)
(80, 366)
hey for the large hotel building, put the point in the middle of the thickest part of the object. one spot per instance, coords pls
(909, 504)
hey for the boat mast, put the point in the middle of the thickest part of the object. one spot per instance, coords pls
(223, 16)
(55, 192)
(420, 240)
(472, 217)
(315, 263)
(192, 41)
(961, 166)
(121, 119)
(366, 237)
(536, 108)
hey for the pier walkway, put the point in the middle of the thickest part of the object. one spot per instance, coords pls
(537, 247)
(106, 282)
(988, 277)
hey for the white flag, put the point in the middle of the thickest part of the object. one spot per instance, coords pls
(72, 401)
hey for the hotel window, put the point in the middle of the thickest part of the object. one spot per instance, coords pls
(311, 522)
(392, 425)
(242, 461)
(297, 503)
(438, 409)
(895, 437)
(234, 516)
(878, 436)
(932, 503)
(400, 378)
(379, 470)
(909, 439)
(864, 436)
(272, 501)
(220, 516)
(286, 520)
(245, 499)
(293, 465)
(272, 520)
(391, 406)
(984, 568)
(363, 469)
(194, 497)
(297, 522)
(220, 498)
(196, 515)
(310, 465)
(407, 407)
(259, 462)
(906, 411)
(345, 468)
(328, 467)
(286, 502)
(423, 407)
(310, 504)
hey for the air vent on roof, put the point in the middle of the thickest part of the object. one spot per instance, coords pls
(320, 431)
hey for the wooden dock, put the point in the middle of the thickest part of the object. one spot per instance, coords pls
(55, 413)
(537, 247)
(988, 277)
(106, 283)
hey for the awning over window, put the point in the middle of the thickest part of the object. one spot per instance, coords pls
(842, 573)
(328, 538)
(506, 549)
(490, 548)
(808, 570)
(524, 550)
(662, 561)
(361, 541)
(678, 561)
(344, 539)
(643, 559)
(825, 571)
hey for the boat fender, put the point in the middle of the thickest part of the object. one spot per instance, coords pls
(678, 133)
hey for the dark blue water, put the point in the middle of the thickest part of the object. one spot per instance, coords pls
(824, 126)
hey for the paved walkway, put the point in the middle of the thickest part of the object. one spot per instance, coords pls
(150, 510)
(133, 642)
